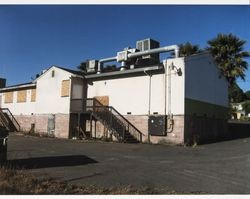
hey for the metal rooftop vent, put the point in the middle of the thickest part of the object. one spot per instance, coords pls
(148, 44)
(92, 66)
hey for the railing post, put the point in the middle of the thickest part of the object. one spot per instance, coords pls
(91, 124)
(93, 105)
(83, 106)
(123, 134)
(111, 118)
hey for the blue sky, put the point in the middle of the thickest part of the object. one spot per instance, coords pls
(35, 37)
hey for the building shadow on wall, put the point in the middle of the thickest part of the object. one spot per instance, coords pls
(52, 161)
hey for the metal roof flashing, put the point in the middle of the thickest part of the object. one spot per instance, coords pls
(128, 72)
(19, 86)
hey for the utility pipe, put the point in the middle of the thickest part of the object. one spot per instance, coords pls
(149, 97)
(174, 48)
(149, 91)
(110, 59)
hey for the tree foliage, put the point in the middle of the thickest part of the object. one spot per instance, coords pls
(236, 94)
(247, 94)
(188, 49)
(246, 106)
(228, 52)
(83, 67)
(108, 68)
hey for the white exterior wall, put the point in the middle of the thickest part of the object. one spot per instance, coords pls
(203, 81)
(48, 96)
(177, 91)
(19, 108)
(125, 94)
(132, 94)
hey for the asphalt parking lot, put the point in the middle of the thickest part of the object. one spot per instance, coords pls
(218, 168)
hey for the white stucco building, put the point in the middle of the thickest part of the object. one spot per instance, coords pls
(181, 100)
(44, 104)
(189, 92)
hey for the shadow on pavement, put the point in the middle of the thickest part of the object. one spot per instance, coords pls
(46, 162)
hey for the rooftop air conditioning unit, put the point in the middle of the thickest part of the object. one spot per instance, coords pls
(148, 44)
(92, 66)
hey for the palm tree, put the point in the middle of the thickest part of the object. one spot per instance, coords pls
(228, 53)
(188, 49)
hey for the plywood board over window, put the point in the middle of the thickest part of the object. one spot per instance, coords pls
(8, 97)
(21, 96)
(65, 89)
(33, 95)
(104, 100)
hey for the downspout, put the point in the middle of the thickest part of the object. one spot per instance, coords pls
(169, 91)
(167, 100)
(149, 98)
(165, 87)
(170, 120)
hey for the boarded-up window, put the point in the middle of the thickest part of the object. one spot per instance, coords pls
(65, 90)
(8, 97)
(104, 100)
(33, 95)
(21, 96)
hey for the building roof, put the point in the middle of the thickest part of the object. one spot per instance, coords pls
(71, 71)
(33, 83)
(18, 86)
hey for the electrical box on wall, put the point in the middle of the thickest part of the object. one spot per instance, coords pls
(157, 125)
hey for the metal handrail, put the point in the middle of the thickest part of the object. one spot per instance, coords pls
(130, 124)
(13, 119)
(2, 118)
(95, 105)
(105, 113)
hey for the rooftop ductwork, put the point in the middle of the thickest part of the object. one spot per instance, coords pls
(174, 48)
(127, 54)
(101, 61)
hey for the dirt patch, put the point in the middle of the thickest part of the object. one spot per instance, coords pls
(20, 182)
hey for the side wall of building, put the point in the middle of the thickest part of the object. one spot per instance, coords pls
(52, 95)
(24, 107)
(204, 82)
(45, 111)
(138, 97)
(38, 124)
(206, 100)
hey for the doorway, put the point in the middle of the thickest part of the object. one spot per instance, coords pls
(51, 125)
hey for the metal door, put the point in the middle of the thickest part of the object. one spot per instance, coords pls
(51, 125)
